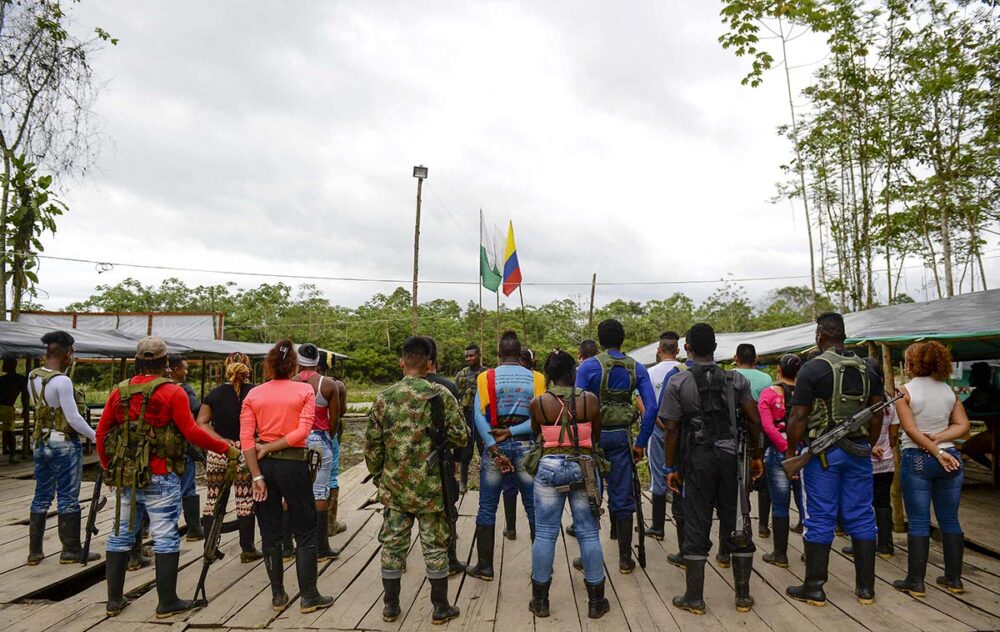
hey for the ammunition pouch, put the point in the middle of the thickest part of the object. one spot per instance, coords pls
(48, 418)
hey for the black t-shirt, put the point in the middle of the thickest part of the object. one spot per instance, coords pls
(12, 385)
(443, 381)
(815, 381)
(226, 407)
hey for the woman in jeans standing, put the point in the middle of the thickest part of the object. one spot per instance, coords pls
(930, 467)
(773, 413)
(569, 422)
(274, 424)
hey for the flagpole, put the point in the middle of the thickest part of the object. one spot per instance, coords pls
(524, 319)
(480, 278)
(498, 319)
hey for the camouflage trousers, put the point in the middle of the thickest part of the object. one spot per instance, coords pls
(395, 539)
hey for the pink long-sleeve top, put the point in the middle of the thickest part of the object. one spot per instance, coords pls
(276, 409)
(771, 406)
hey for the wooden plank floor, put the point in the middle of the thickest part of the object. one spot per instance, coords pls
(240, 596)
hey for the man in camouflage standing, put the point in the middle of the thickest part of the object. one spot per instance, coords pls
(466, 383)
(397, 446)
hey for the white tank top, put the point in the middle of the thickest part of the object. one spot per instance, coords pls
(931, 402)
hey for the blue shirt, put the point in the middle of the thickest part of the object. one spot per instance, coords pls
(515, 387)
(588, 377)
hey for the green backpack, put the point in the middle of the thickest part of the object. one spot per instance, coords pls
(617, 405)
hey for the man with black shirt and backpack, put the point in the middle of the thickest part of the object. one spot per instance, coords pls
(700, 408)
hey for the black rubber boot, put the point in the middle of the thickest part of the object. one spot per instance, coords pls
(659, 517)
(69, 535)
(692, 599)
(954, 550)
(287, 545)
(742, 570)
(484, 549)
(455, 566)
(323, 551)
(614, 530)
(539, 603)
(817, 561)
(763, 507)
(166, 587)
(677, 559)
(305, 569)
(779, 557)
(115, 568)
(724, 559)
(571, 530)
(248, 551)
(36, 533)
(884, 547)
(275, 566)
(443, 610)
(917, 548)
(463, 478)
(597, 604)
(390, 609)
(192, 516)
(864, 570)
(510, 516)
(625, 562)
(137, 559)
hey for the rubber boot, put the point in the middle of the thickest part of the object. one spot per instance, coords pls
(287, 546)
(692, 599)
(724, 559)
(677, 559)
(305, 569)
(115, 569)
(323, 551)
(779, 557)
(390, 609)
(539, 603)
(510, 516)
(443, 610)
(917, 548)
(742, 570)
(597, 603)
(659, 517)
(334, 526)
(69, 535)
(484, 549)
(625, 562)
(883, 521)
(463, 477)
(571, 530)
(137, 559)
(192, 516)
(614, 530)
(455, 566)
(954, 550)
(166, 586)
(275, 566)
(763, 508)
(864, 570)
(248, 551)
(817, 561)
(36, 533)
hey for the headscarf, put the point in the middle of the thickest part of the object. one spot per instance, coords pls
(237, 369)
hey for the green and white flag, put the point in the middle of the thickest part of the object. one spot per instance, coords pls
(489, 273)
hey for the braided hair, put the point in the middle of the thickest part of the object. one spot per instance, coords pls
(237, 370)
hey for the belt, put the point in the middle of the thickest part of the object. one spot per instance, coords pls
(291, 454)
(566, 451)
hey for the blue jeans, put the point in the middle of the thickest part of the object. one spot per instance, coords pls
(845, 488)
(781, 488)
(925, 481)
(334, 462)
(161, 499)
(658, 478)
(187, 480)
(491, 482)
(58, 470)
(554, 471)
(319, 440)
(618, 449)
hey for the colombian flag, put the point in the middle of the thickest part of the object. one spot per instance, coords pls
(511, 268)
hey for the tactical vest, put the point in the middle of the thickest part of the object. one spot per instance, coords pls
(716, 394)
(49, 418)
(130, 445)
(826, 413)
(466, 383)
(617, 404)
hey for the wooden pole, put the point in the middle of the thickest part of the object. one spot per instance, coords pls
(497, 345)
(416, 259)
(590, 318)
(524, 319)
(895, 492)
(481, 271)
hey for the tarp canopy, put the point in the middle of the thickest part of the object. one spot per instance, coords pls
(969, 324)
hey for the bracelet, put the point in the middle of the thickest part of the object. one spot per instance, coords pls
(259, 477)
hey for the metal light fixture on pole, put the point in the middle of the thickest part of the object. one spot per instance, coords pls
(419, 172)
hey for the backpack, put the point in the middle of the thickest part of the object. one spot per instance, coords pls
(49, 417)
(617, 407)
(716, 392)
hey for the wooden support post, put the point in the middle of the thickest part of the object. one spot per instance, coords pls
(895, 492)
(590, 318)
(204, 372)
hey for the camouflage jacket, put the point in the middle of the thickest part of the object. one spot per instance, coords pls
(465, 380)
(397, 444)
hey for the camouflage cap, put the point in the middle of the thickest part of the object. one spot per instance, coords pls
(150, 348)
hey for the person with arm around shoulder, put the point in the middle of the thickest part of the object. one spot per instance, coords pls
(931, 471)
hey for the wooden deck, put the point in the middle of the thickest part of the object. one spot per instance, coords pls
(240, 597)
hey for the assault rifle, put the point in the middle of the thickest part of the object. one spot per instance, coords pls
(641, 524)
(830, 438)
(97, 503)
(440, 458)
(213, 538)
(743, 532)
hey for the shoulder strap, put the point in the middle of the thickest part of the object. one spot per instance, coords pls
(491, 390)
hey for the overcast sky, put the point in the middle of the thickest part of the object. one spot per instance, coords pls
(281, 138)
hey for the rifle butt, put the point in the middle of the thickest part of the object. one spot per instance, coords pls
(793, 465)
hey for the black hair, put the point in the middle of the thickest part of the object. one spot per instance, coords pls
(611, 334)
(9, 365)
(876, 366)
(670, 335)
(832, 325)
(309, 350)
(323, 364)
(790, 365)
(174, 360)
(433, 356)
(472, 347)
(559, 366)
(588, 349)
(527, 358)
(669, 342)
(980, 375)
(701, 338)
(416, 349)
(57, 342)
(151, 367)
(746, 353)
(510, 345)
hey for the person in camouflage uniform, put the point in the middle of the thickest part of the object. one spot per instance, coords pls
(465, 380)
(397, 445)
